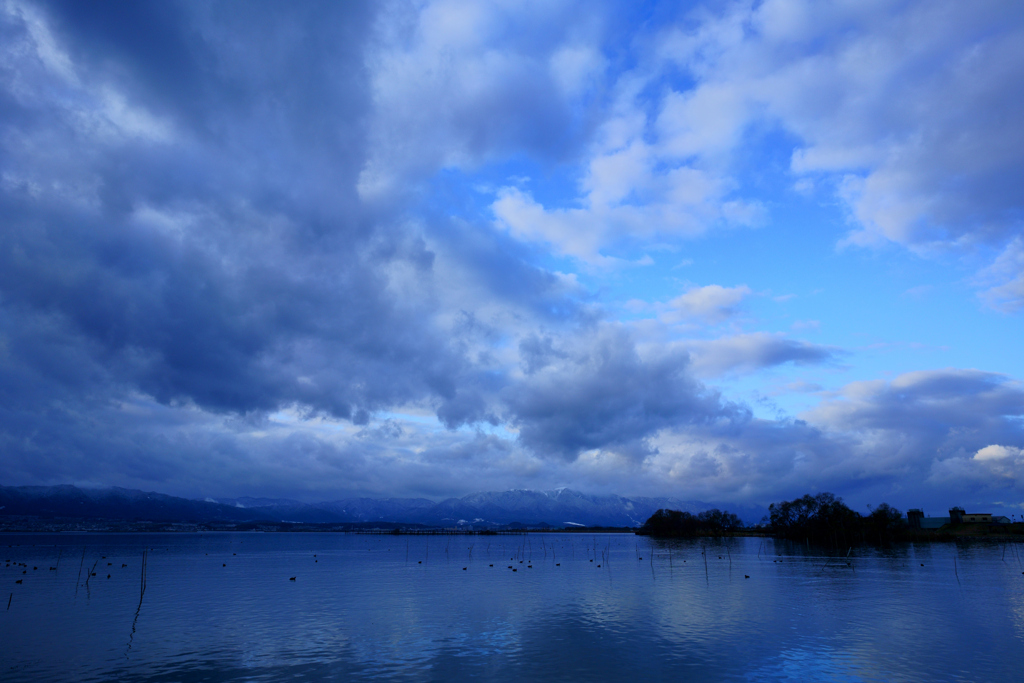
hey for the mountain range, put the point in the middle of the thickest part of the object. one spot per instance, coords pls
(558, 508)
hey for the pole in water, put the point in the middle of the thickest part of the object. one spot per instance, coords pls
(142, 592)
(79, 579)
(9, 602)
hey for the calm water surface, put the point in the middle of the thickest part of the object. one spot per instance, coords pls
(221, 607)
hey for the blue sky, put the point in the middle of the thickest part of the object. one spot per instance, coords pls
(729, 251)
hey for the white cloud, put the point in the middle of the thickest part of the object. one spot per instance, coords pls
(712, 303)
(904, 106)
(994, 466)
(635, 190)
(456, 82)
(801, 386)
(991, 453)
(1004, 279)
(746, 353)
(567, 230)
(35, 66)
(629, 199)
(925, 425)
(267, 318)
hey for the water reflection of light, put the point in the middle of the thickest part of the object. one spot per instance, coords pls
(370, 609)
(802, 664)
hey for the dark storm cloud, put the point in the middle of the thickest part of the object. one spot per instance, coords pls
(537, 353)
(266, 287)
(925, 427)
(182, 223)
(196, 293)
(950, 403)
(223, 69)
(601, 394)
(925, 438)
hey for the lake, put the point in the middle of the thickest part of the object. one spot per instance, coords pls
(222, 607)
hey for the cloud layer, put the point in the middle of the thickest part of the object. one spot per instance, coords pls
(232, 263)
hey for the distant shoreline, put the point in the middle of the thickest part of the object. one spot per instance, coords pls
(28, 525)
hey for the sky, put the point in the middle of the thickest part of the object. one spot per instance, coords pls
(722, 251)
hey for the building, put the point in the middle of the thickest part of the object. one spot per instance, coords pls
(917, 520)
(956, 515)
(976, 518)
(933, 523)
(960, 516)
(984, 518)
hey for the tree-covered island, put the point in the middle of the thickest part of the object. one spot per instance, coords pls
(822, 519)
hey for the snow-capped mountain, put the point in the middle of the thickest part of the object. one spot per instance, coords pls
(561, 507)
(109, 503)
(558, 508)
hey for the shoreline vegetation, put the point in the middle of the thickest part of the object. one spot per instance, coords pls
(821, 520)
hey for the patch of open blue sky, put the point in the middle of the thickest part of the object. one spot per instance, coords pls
(886, 310)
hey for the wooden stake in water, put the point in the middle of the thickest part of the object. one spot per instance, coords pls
(142, 592)
(142, 585)
(79, 579)
(92, 570)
